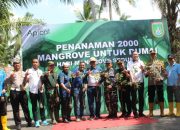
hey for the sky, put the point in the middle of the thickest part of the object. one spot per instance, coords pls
(55, 12)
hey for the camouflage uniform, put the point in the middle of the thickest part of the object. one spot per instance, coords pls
(110, 94)
(52, 94)
(124, 89)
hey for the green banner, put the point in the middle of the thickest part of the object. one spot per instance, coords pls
(77, 42)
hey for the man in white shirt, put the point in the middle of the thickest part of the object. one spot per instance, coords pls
(36, 91)
(136, 68)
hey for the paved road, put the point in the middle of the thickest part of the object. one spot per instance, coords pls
(165, 123)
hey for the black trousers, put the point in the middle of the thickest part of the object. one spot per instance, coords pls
(37, 98)
(140, 101)
(19, 97)
(152, 90)
(125, 99)
(54, 106)
(66, 107)
(3, 108)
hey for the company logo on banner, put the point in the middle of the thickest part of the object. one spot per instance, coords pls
(103, 40)
(157, 29)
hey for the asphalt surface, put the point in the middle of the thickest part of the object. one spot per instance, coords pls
(165, 123)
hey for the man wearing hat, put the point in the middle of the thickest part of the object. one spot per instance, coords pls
(173, 85)
(36, 92)
(3, 102)
(50, 81)
(93, 90)
(65, 83)
(155, 73)
(136, 68)
(110, 90)
(122, 82)
(18, 94)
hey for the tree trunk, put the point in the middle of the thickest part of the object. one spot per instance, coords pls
(110, 9)
(93, 10)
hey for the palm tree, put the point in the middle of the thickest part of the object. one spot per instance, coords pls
(86, 15)
(169, 10)
(113, 4)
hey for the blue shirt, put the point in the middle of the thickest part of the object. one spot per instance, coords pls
(173, 72)
(78, 80)
(66, 79)
(2, 79)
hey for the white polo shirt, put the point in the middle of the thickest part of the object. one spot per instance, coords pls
(34, 79)
(134, 68)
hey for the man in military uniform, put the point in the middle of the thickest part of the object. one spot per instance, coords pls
(78, 91)
(50, 81)
(93, 89)
(155, 71)
(110, 90)
(65, 83)
(122, 82)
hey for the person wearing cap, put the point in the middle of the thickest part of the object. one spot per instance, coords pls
(122, 82)
(36, 92)
(78, 91)
(3, 102)
(173, 85)
(110, 90)
(136, 68)
(93, 89)
(155, 73)
(65, 83)
(50, 81)
(18, 94)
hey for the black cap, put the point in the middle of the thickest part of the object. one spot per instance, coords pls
(170, 56)
(108, 61)
(119, 61)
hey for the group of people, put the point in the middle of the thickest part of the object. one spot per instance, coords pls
(125, 83)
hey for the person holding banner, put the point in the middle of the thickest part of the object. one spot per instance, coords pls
(78, 91)
(136, 68)
(65, 83)
(3, 102)
(93, 89)
(173, 85)
(33, 76)
(110, 90)
(50, 81)
(155, 72)
(18, 94)
(122, 82)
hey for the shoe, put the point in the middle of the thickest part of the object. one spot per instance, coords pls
(122, 115)
(37, 124)
(65, 121)
(4, 123)
(45, 123)
(83, 118)
(142, 115)
(128, 115)
(98, 117)
(109, 116)
(78, 120)
(136, 116)
(91, 118)
(29, 124)
(18, 127)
